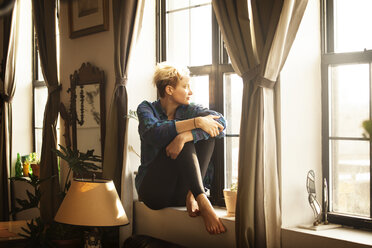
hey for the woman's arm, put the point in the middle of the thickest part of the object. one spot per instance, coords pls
(206, 123)
(175, 147)
(203, 116)
(153, 130)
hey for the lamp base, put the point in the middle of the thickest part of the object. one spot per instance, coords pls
(92, 239)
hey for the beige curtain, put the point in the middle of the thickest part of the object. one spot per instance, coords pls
(127, 15)
(7, 90)
(44, 13)
(258, 38)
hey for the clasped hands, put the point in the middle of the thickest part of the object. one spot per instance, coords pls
(206, 123)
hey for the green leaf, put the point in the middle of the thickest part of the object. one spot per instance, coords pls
(367, 125)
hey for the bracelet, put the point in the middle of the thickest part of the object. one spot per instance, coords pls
(195, 122)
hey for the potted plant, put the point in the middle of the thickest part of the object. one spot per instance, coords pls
(230, 198)
(38, 233)
(63, 235)
(34, 162)
(79, 163)
(35, 231)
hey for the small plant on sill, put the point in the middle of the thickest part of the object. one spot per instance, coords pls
(234, 187)
(367, 125)
(230, 195)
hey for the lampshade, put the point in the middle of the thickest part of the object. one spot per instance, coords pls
(92, 203)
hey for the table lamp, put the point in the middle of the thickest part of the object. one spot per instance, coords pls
(93, 203)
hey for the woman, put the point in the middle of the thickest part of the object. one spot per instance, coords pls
(177, 142)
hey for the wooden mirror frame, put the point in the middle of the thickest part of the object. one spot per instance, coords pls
(87, 75)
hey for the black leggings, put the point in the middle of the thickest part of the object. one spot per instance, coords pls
(167, 181)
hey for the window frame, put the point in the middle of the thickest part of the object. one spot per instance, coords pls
(328, 58)
(216, 72)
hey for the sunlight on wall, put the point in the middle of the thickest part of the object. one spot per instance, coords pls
(301, 119)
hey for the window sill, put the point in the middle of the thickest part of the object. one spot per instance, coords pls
(338, 237)
(176, 226)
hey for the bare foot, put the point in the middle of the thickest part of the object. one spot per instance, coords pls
(192, 205)
(212, 223)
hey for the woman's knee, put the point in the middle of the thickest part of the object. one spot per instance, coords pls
(187, 150)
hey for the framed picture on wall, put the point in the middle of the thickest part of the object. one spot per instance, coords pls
(87, 17)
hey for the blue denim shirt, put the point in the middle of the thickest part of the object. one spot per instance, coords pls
(156, 131)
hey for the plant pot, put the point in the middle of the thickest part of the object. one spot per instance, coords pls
(230, 201)
(26, 169)
(36, 169)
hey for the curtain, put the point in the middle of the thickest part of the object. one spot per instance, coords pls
(44, 15)
(125, 14)
(258, 38)
(7, 90)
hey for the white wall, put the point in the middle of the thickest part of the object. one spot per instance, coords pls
(97, 49)
(301, 119)
(140, 87)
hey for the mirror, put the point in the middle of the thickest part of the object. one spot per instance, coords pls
(314, 204)
(88, 109)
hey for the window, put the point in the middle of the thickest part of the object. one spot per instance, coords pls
(188, 34)
(347, 102)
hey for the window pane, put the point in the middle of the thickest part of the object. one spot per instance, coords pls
(178, 4)
(40, 99)
(233, 87)
(201, 36)
(349, 99)
(350, 177)
(189, 36)
(40, 76)
(178, 37)
(172, 5)
(38, 139)
(231, 160)
(200, 90)
(352, 25)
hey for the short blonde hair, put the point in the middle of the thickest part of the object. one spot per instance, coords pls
(166, 74)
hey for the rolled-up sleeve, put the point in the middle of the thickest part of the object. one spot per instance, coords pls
(153, 130)
(199, 134)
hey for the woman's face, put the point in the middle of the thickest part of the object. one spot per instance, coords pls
(182, 92)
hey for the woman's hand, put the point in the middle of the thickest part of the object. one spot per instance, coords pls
(209, 124)
(175, 147)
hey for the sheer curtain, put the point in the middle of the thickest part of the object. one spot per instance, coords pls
(7, 90)
(44, 16)
(258, 38)
(126, 15)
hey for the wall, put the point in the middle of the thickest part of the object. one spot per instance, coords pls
(301, 119)
(140, 87)
(96, 49)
